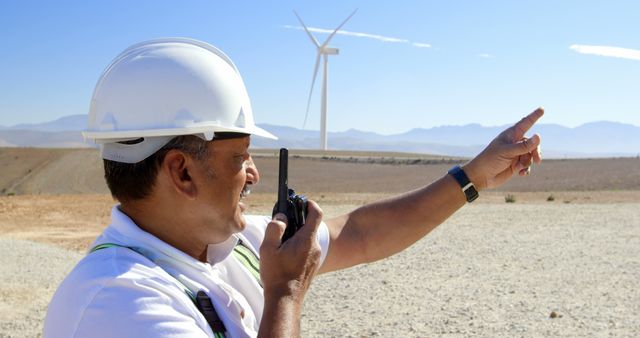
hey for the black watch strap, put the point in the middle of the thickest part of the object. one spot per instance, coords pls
(467, 186)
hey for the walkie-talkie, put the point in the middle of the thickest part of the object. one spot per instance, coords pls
(292, 205)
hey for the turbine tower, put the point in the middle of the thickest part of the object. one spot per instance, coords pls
(322, 51)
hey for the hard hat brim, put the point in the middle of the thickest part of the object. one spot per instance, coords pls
(153, 140)
(208, 131)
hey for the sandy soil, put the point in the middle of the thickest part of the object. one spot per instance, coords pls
(568, 267)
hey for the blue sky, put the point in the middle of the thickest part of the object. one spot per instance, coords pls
(402, 64)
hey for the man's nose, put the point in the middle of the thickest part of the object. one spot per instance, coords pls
(253, 176)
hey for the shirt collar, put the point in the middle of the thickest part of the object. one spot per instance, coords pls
(134, 236)
(219, 251)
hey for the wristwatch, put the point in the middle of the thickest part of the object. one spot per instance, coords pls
(467, 186)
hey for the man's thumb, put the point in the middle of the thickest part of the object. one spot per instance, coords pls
(275, 230)
(525, 146)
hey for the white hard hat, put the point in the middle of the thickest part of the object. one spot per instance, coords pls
(159, 89)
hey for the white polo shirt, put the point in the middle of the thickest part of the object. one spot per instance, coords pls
(119, 292)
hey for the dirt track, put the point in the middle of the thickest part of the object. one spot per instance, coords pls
(73, 171)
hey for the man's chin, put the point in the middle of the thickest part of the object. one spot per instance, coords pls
(241, 223)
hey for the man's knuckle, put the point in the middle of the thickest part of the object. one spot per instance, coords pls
(315, 253)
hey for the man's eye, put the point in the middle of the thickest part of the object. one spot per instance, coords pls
(240, 158)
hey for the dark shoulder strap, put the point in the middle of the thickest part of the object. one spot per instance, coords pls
(204, 304)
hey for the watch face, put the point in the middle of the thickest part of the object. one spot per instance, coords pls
(471, 193)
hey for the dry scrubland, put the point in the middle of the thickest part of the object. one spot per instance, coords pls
(567, 267)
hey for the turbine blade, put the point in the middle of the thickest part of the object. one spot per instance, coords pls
(326, 42)
(313, 39)
(313, 82)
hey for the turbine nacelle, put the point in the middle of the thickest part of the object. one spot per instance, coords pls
(328, 51)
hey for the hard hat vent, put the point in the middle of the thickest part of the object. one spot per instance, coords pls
(240, 121)
(108, 122)
(184, 118)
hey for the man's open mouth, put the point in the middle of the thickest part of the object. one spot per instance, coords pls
(245, 191)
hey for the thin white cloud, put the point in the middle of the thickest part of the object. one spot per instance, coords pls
(616, 52)
(362, 35)
(485, 55)
(421, 45)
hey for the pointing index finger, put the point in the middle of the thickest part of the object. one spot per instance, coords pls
(527, 122)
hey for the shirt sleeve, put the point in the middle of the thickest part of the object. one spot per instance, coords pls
(257, 225)
(122, 311)
(127, 297)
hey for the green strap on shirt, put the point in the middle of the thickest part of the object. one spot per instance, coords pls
(111, 245)
(246, 257)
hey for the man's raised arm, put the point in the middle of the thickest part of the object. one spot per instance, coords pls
(381, 229)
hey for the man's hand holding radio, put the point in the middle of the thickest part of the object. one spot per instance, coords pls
(287, 268)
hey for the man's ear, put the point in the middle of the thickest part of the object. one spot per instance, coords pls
(179, 170)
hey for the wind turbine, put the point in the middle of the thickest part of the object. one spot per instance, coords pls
(322, 51)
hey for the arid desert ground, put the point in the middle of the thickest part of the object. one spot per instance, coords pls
(562, 260)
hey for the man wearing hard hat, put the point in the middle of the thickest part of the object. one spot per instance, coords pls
(180, 259)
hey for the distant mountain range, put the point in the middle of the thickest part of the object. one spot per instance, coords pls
(595, 139)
